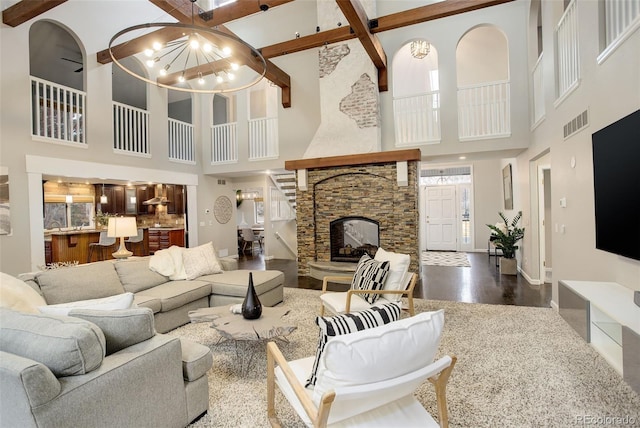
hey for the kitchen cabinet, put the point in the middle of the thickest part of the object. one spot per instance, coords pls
(115, 199)
(144, 193)
(164, 237)
(175, 198)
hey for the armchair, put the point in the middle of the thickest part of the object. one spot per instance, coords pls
(363, 381)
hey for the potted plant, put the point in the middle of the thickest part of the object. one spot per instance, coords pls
(102, 219)
(505, 235)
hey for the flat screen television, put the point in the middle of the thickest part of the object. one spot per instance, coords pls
(616, 180)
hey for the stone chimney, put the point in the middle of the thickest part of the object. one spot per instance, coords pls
(349, 99)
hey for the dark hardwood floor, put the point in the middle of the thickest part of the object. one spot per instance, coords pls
(480, 283)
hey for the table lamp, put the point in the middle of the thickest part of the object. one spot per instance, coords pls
(122, 227)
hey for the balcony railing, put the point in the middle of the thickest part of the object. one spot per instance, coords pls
(263, 138)
(620, 15)
(130, 130)
(57, 112)
(538, 91)
(181, 146)
(484, 111)
(224, 143)
(417, 119)
(568, 61)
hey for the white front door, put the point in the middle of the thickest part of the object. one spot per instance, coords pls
(441, 218)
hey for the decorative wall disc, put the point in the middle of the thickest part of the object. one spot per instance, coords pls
(223, 209)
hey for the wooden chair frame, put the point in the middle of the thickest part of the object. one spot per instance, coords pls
(407, 292)
(320, 415)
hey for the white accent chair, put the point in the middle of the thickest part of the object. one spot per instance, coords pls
(399, 283)
(362, 379)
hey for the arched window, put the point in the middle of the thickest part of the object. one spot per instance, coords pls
(130, 115)
(416, 94)
(56, 65)
(482, 63)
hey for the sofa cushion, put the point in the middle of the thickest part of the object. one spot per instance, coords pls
(83, 282)
(398, 268)
(373, 355)
(135, 275)
(119, 301)
(370, 275)
(174, 294)
(150, 302)
(350, 323)
(234, 283)
(67, 346)
(196, 360)
(16, 294)
(122, 327)
(201, 260)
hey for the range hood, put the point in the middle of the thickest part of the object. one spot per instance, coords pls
(156, 201)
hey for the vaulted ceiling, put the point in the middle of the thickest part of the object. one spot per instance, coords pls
(361, 26)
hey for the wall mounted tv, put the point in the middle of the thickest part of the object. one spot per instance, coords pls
(616, 177)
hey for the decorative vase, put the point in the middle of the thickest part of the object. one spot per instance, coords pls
(508, 266)
(251, 307)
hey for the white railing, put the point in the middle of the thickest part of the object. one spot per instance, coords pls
(417, 118)
(484, 110)
(181, 146)
(224, 143)
(130, 129)
(57, 111)
(619, 16)
(263, 138)
(568, 61)
(537, 83)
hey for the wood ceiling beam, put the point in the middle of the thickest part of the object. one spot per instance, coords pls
(429, 13)
(308, 42)
(240, 9)
(357, 17)
(181, 10)
(27, 9)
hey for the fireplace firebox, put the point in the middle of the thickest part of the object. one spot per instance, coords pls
(352, 237)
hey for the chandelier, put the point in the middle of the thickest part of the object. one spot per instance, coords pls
(420, 48)
(176, 53)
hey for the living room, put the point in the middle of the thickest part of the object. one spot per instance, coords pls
(607, 88)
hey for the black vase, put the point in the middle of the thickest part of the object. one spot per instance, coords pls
(251, 307)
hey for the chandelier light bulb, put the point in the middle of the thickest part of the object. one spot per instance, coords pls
(234, 66)
(157, 46)
(164, 70)
(150, 63)
(207, 47)
(219, 79)
(231, 76)
(193, 42)
(200, 79)
(226, 50)
(181, 78)
(148, 52)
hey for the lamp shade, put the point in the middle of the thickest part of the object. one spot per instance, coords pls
(122, 227)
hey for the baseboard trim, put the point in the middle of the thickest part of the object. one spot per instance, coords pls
(529, 279)
(554, 306)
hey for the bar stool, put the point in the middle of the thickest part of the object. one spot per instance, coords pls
(136, 241)
(104, 243)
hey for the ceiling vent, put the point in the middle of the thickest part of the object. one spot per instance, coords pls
(576, 124)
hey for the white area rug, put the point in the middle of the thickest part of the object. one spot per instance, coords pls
(445, 258)
(518, 367)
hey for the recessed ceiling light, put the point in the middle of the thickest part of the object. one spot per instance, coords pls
(462, 157)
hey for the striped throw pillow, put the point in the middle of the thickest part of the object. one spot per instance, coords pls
(350, 323)
(370, 275)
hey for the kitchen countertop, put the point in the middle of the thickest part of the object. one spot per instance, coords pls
(167, 228)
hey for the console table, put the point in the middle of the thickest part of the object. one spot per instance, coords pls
(604, 314)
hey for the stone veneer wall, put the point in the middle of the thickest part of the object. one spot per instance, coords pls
(370, 191)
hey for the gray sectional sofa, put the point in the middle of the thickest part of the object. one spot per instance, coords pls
(98, 369)
(170, 300)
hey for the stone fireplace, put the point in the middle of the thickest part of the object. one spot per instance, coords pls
(381, 187)
(352, 237)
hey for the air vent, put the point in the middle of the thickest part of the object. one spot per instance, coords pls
(576, 124)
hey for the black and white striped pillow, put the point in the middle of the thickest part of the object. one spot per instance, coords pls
(370, 275)
(350, 323)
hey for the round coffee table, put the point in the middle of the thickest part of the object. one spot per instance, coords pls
(230, 326)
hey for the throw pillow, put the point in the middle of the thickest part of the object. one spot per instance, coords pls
(398, 268)
(200, 261)
(121, 327)
(67, 346)
(370, 275)
(349, 323)
(120, 301)
(16, 294)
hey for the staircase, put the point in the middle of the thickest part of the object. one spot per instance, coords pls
(286, 183)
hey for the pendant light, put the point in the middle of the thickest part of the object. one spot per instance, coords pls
(103, 198)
